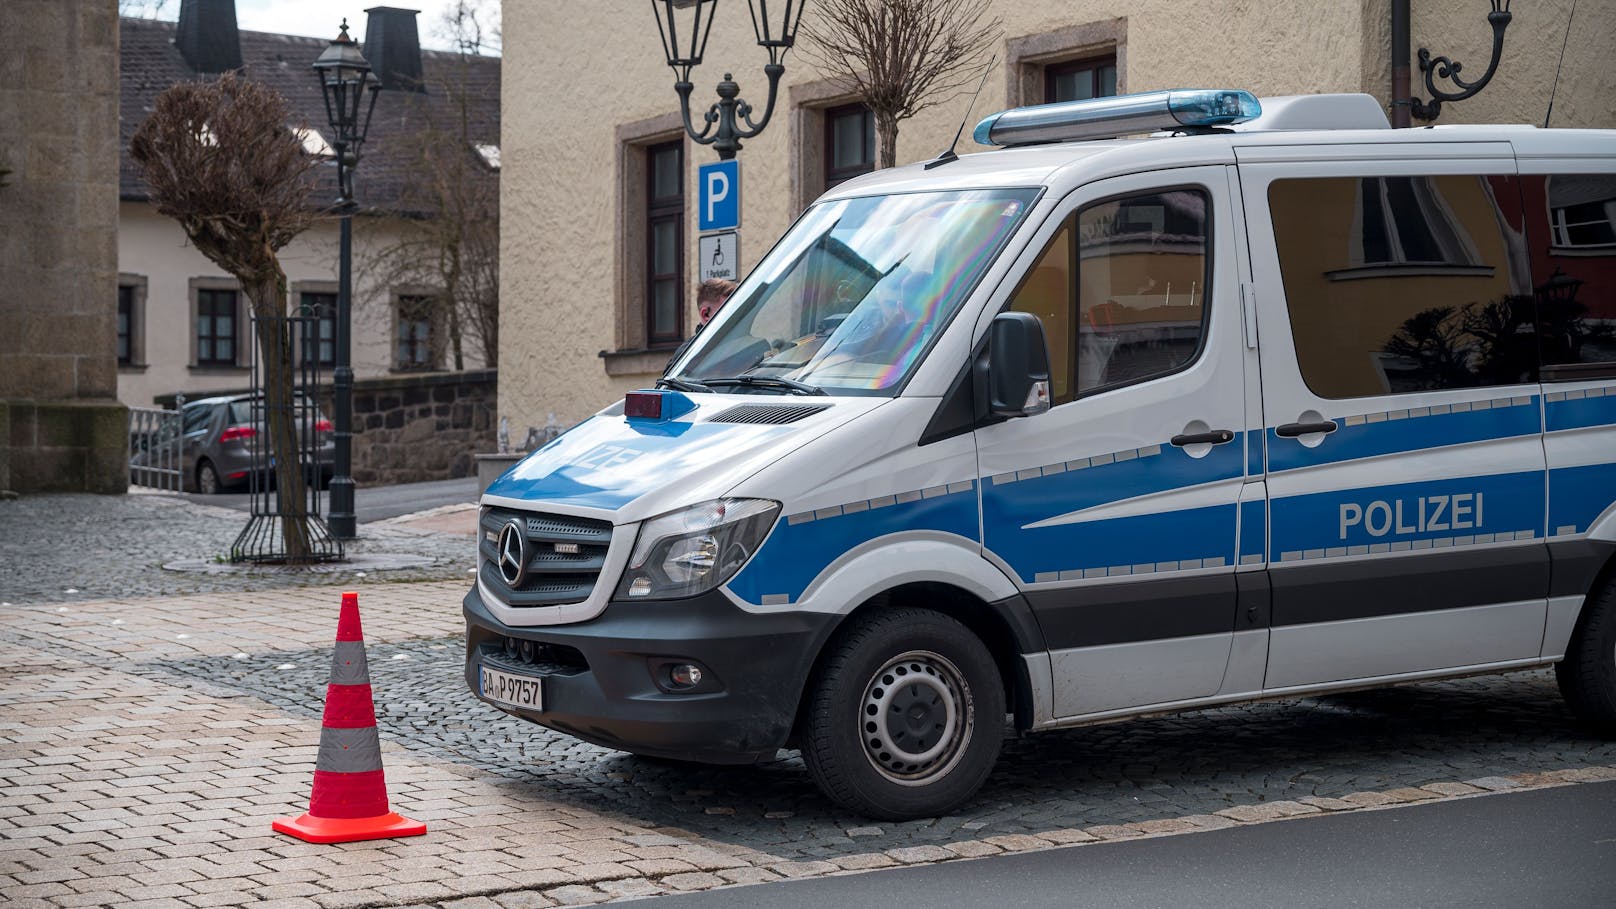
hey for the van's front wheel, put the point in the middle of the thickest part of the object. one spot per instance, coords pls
(905, 716)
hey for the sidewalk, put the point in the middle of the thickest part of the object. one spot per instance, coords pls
(67, 548)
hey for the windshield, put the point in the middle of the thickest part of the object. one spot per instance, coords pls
(854, 295)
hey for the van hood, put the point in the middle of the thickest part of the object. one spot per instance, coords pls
(638, 468)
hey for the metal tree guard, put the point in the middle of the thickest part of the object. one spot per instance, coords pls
(262, 540)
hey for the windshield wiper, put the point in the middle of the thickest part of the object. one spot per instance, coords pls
(682, 384)
(792, 385)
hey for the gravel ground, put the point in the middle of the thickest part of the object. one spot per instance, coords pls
(76, 547)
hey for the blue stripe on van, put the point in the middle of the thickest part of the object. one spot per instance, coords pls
(1140, 545)
(1403, 516)
(1253, 530)
(1390, 436)
(795, 554)
(1581, 413)
(1008, 509)
(1579, 495)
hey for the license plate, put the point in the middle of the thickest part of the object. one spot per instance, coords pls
(515, 690)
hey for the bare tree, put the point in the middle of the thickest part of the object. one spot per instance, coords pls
(220, 159)
(900, 56)
(142, 9)
(454, 246)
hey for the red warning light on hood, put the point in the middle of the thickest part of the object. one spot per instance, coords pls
(643, 405)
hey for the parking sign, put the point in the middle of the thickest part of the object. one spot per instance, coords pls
(719, 195)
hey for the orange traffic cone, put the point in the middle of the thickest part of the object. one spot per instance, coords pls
(349, 801)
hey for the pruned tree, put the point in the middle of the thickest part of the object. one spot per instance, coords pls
(220, 159)
(453, 246)
(900, 56)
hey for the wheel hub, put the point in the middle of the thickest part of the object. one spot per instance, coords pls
(915, 717)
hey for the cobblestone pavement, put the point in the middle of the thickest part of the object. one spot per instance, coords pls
(66, 548)
(145, 744)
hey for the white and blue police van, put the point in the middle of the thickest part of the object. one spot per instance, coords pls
(1276, 401)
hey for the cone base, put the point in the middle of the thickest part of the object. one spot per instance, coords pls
(348, 829)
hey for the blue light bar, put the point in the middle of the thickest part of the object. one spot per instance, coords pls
(1121, 115)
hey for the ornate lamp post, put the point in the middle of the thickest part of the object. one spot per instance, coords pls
(684, 26)
(350, 93)
(1443, 68)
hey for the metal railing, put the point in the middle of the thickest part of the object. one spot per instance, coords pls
(155, 447)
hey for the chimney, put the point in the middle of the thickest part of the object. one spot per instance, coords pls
(207, 35)
(393, 48)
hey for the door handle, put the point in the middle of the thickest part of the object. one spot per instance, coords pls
(1215, 437)
(1292, 430)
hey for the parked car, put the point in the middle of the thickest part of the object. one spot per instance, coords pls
(222, 440)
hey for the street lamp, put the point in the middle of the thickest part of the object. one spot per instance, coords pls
(350, 93)
(685, 25)
(1443, 68)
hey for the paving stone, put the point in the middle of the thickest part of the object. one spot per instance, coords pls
(576, 895)
(526, 899)
(695, 880)
(972, 849)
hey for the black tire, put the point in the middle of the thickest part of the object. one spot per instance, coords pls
(1587, 675)
(952, 715)
(207, 479)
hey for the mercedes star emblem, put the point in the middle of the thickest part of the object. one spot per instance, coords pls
(512, 553)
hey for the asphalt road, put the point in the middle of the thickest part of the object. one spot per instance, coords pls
(375, 503)
(1546, 847)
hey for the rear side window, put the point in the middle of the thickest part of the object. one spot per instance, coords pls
(1121, 290)
(1405, 284)
(1571, 232)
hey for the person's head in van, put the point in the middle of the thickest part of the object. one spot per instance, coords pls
(710, 296)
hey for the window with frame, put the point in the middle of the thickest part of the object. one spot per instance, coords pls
(1571, 235)
(1582, 210)
(413, 348)
(849, 143)
(1121, 290)
(320, 336)
(664, 231)
(216, 327)
(126, 325)
(1420, 320)
(1080, 80)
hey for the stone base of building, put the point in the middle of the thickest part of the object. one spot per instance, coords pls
(64, 446)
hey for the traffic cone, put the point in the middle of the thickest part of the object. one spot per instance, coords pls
(349, 801)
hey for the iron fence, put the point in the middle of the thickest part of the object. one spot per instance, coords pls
(156, 447)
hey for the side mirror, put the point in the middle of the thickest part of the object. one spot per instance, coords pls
(1018, 365)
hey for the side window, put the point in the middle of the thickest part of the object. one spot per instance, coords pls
(1571, 231)
(1121, 290)
(196, 418)
(1405, 284)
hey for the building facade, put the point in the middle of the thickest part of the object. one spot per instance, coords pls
(182, 323)
(598, 201)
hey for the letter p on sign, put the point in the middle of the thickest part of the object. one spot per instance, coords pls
(719, 184)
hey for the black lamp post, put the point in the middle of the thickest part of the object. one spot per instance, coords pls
(350, 93)
(684, 26)
(1443, 68)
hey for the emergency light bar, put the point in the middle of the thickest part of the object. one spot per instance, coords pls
(1121, 115)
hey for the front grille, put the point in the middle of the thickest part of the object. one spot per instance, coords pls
(777, 414)
(554, 577)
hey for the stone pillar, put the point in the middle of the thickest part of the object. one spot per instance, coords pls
(64, 429)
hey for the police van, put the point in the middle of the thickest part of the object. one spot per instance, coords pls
(1276, 401)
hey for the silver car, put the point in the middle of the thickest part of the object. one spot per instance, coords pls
(221, 442)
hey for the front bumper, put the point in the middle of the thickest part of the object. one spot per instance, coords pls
(605, 686)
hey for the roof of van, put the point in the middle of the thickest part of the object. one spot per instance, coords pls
(1070, 163)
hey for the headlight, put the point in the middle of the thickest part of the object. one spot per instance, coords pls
(694, 550)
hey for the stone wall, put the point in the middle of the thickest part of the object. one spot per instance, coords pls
(64, 429)
(412, 428)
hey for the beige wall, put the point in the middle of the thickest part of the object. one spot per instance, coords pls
(575, 73)
(153, 248)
